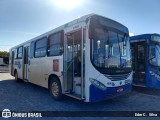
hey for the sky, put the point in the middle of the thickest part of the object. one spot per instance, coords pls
(22, 20)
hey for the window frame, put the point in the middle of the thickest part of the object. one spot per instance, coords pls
(35, 42)
(33, 50)
(18, 52)
(60, 43)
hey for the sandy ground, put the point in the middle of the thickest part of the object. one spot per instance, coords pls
(5, 76)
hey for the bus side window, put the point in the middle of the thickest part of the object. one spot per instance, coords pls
(40, 47)
(15, 54)
(55, 44)
(19, 52)
(32, 50)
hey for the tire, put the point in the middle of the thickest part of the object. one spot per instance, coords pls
(16, 77)
(55, 89)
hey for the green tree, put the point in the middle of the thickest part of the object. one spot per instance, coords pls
(5, 56)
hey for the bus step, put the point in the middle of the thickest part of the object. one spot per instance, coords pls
(78, 97)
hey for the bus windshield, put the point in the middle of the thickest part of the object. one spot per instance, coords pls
(110, 49)
(155, 38)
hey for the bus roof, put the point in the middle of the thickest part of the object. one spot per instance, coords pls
(142, 36)
(78, 20)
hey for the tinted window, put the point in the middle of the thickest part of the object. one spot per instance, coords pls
(40, 48)
(32, 50)
(141, 53)
(55, 46)
(19, 52)
(154, 55)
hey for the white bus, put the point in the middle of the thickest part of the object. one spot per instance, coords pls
(88, 59)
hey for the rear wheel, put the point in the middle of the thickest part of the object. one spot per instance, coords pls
(55, 89)
(16, 77)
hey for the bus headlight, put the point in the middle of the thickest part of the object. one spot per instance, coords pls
(98, 84)
(129, 81)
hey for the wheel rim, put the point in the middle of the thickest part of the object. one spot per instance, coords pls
(55, 89)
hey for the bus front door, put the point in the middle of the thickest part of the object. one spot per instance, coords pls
(26, 55)
(72, 67)
(139, 62)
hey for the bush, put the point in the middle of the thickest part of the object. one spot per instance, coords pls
(5, 56)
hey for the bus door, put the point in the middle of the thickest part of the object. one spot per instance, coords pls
(26, 56)
(139, 62)
(73, 63)
(12, 63)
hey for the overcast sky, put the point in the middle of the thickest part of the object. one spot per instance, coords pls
(21, 20)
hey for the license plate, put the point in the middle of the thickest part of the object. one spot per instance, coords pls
(120, 90)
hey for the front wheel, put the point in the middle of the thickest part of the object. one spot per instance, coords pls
(55, 89)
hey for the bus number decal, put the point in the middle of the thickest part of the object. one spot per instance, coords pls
(55, 65)
(18, 64)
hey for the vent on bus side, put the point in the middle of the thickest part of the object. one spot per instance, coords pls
(117, 77)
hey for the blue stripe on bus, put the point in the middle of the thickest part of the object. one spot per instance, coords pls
(97, 94)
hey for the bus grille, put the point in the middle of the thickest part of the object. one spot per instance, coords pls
(117, 77)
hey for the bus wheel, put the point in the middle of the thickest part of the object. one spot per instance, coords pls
(16, 76)
(55, 89)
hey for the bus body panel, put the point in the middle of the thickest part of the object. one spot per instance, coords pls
(48, 69)
(36, 70)
(19, 68)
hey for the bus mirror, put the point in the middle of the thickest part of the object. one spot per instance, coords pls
(124, 40)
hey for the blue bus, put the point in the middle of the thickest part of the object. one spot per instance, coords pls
(146, 60)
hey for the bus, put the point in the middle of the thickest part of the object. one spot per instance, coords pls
(88, 59)
(146, 60)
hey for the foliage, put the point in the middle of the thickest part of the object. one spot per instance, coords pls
(5, 56)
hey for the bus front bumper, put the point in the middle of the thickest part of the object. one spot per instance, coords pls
(97, 94)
